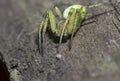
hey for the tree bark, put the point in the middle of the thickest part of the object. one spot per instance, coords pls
(95, 51)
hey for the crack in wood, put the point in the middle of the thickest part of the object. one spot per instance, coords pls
(116, 26)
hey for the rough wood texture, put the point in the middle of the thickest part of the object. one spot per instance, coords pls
(95, 50)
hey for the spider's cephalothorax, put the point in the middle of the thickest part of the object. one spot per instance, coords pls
(70, 21)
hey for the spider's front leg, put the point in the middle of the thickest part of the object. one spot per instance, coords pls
(68, 26)
(48, 17)
(78, 15)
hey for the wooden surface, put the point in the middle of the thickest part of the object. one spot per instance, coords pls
(95, 53)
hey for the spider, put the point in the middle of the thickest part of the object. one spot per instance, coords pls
(68, 23)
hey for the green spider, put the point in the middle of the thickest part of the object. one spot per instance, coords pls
(69, 22)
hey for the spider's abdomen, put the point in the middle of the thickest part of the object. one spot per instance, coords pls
(82, 8)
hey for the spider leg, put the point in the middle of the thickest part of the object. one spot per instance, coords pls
(94, 5)
(73, 31)
(52, 21)
(58, 12)
(40, 46)
(48, 17)
(64, 27)
(70, 42)
(42, 30)
(61, 36)
(77, 23)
